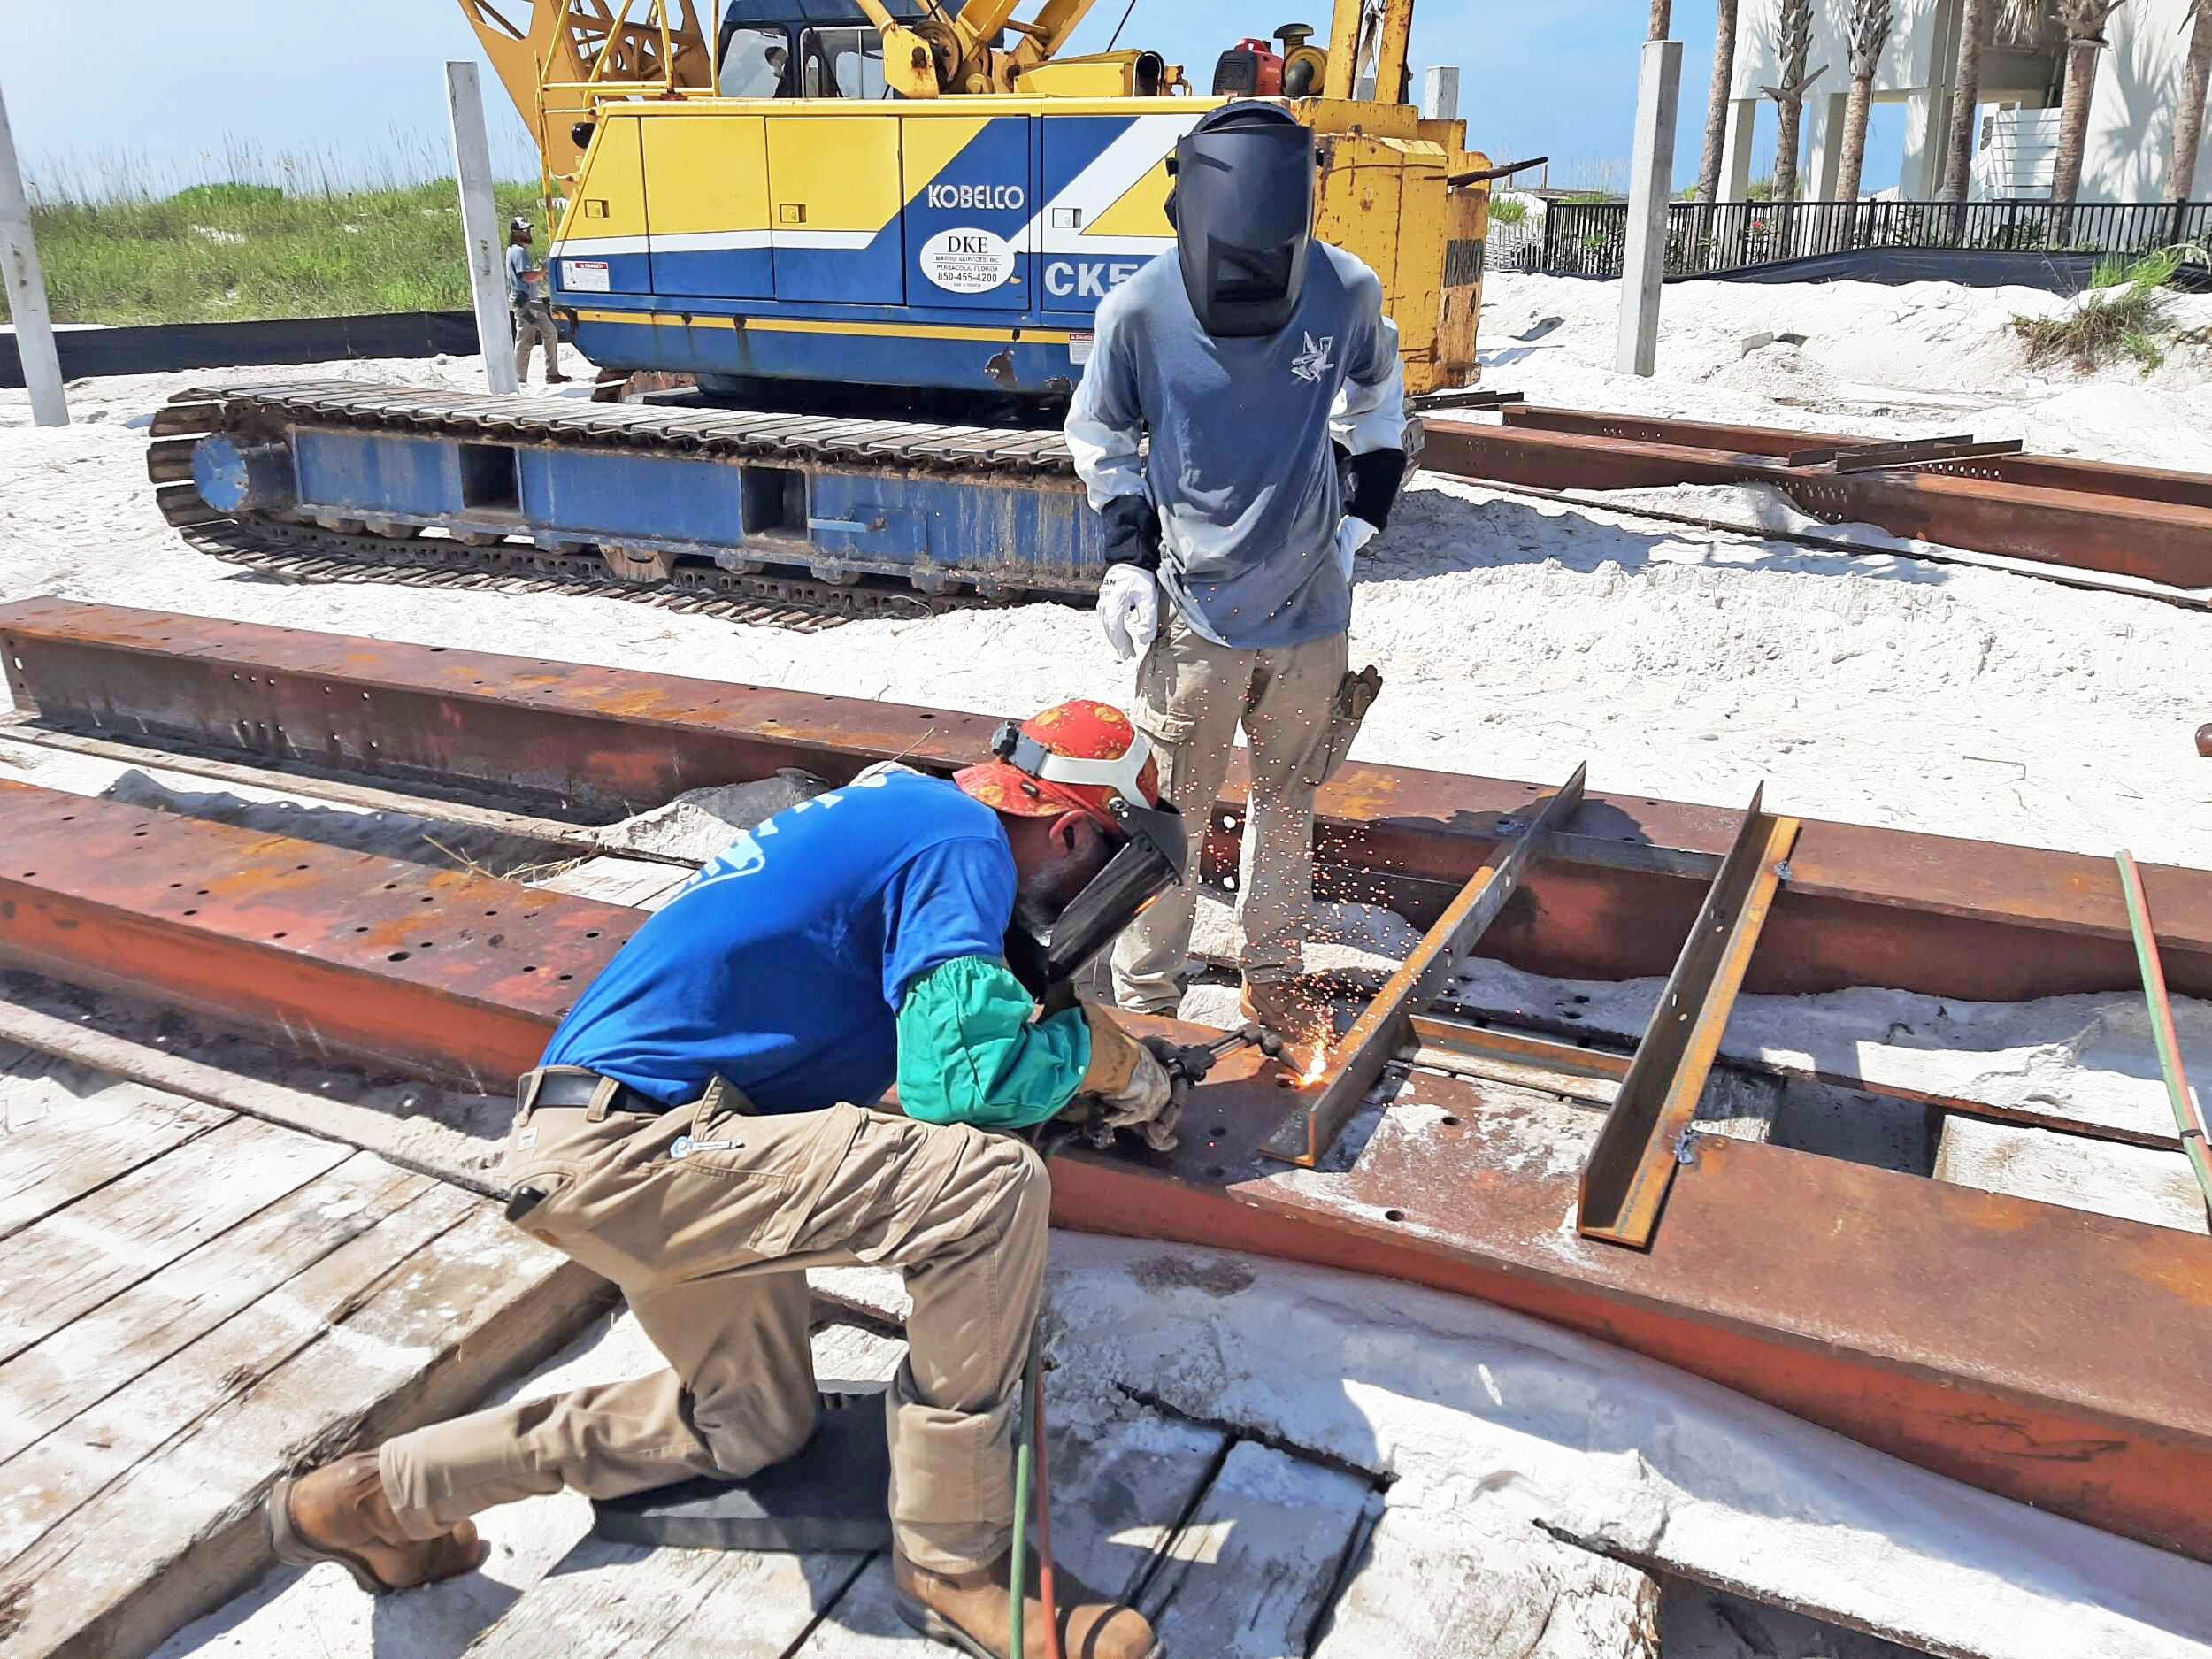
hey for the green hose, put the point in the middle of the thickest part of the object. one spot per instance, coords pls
(1019, 1577)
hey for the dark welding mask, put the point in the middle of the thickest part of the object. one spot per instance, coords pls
(1243, 215)
(1149, 862)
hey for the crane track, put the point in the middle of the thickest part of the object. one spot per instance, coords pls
(286, 551)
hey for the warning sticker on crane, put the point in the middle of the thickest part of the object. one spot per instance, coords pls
(967, 260)
(586, 276)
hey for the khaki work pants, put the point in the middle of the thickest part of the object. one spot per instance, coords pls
(706, 1217)
(534, 327)
(1192, 695)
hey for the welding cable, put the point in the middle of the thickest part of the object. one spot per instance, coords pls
(1048, 1590)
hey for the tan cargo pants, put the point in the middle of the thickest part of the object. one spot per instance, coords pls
(1192, 695)
(706, 1217)
(534, 327)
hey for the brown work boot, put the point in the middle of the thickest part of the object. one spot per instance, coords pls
(974, 1612)
(340, 1513)
(1297, 1012)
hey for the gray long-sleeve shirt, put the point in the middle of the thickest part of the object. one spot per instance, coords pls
(1241, 466)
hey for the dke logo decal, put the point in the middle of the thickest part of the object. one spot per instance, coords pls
(968, 260)
(1313, 362)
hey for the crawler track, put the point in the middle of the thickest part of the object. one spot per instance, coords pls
(365, 549)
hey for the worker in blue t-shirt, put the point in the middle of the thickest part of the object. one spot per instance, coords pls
(697, 1133)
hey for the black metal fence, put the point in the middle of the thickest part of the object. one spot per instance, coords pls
(1591, 238)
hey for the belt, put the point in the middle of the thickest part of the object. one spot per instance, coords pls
(577, 1089)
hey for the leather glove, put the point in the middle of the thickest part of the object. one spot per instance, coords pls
(1134, 1090)
(1129, 610)
(1351, 536)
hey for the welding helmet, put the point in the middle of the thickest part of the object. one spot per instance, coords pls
(1088, 758)
(1243, 215)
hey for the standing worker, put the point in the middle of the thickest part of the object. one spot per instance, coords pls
(1248, 359)
(532, 308)
(689, 1135)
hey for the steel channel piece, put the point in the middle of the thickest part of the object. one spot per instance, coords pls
(1384, 1027)
(1633, 1161)
(2188, 1120)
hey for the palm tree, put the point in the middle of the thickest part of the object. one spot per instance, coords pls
(2181, 178)
(1958, 149)
(2085, 21)
(1794, 41)
(1872, 22)
(1716, 102)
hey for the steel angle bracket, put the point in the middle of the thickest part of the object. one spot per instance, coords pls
(1632, 1164)
(2188, 1118)
(1385, 1028)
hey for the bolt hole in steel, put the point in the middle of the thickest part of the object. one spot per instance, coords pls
(69, 817)
(1392, 1214)
(277, 935)
(196, 913)
(202, 892)
(593, 934)
(564, 979)
(399, 955)
(533, 968)
(1450, 1123)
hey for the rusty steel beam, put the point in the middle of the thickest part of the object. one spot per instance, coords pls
(2053, 1356)
(2122, 535)
(2045, 471)
(1865, 906)
(1633, 1161)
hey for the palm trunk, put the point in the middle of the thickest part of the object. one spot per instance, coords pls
(1717, 100)
(1855, 116)
(1662, 19)
(1958, 151)
(2073, 133)
(2181, 178)
(1790, 117)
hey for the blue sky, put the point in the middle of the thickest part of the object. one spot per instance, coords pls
(358, 82)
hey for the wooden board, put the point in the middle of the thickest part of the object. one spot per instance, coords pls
(1433, 1588)
(146, 1506)
(140, 1222)
(95, 1357)
(609, 1599)
(1118, 1494)
(1251, 1572)
(65, 1132)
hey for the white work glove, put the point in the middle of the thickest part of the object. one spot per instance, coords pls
(1351, 536)
(1129, 610)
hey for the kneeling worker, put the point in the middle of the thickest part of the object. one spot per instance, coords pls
(1250, 356)
(691, 1125)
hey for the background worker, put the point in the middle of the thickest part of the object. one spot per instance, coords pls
(533, 307)
(687, 1137)
(1247, 359)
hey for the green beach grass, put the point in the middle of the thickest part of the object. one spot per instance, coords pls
(234, 252)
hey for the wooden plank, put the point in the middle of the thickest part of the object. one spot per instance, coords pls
(65, 1470)
(1249, 1574)
(450, 1136)
(1119, 1491)
(96, 1355)
(358, 1347)
(609, 1599)
(66, 1132)
(1435, 1588)
(140, 1222)
(621, 878)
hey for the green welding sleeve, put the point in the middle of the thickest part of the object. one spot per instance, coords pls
(971, 1050)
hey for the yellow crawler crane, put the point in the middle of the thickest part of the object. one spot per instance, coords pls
(937, 165)
(868, 238)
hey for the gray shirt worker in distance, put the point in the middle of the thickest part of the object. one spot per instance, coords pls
(1260, 365)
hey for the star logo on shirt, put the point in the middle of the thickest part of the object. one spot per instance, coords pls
(1312, 363)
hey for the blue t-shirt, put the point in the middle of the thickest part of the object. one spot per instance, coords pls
(781, 965)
